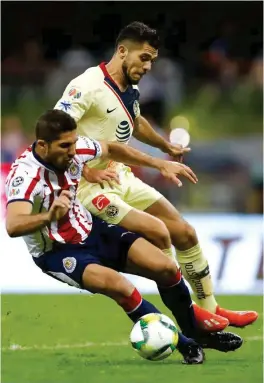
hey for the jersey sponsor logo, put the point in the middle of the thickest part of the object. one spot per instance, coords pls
(17, 181)
(65, 106)
(123, 131)
(100, 202)
(136, 108)
(14, 192)
(69, 264)
(112, 211)
(110, 110)
(75, 93)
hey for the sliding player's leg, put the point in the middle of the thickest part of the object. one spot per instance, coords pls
(103, 280)
(194, 265)
(174, 293)
(118, 249)
(74, 265)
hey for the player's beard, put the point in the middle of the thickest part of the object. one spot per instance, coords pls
(128, 79)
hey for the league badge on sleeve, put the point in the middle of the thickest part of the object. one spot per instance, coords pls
(75, 93)
(14, 192)
(17, 181)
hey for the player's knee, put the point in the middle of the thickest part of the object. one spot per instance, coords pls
(159, 235)
(183, 235)
(167, 273)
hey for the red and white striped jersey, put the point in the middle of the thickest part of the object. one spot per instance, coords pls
(31, 179)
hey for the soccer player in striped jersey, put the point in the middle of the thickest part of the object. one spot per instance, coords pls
(104, 101)
(67, 243)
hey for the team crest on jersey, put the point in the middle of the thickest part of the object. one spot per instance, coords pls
(136, 108)
(74, 170)
(75, 93)
(123, 131)
(17, 181)
(112, 211)
(69, 264)
(14, 192)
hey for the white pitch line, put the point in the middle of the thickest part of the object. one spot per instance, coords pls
(17, 347)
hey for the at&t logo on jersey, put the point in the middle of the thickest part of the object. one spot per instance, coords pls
(123, 131)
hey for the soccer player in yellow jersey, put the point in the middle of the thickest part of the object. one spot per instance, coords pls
(104, 101)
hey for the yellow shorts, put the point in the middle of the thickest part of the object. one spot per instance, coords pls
(112, 205)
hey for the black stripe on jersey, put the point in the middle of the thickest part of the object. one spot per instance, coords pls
(123, 137)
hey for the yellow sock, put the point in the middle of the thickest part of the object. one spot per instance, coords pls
(168, 252)
(171, 252)
(195, 269)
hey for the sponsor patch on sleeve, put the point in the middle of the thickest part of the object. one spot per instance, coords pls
(100, 202)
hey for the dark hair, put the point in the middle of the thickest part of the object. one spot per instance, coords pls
(140, 33)
(52, 123)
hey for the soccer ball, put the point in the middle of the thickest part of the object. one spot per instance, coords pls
(154, 336)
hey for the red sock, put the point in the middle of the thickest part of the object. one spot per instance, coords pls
(132, 302)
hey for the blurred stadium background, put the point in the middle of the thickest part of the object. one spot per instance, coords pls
(209, 80)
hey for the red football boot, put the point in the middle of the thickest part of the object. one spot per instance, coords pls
(237, 318)
(208, 321)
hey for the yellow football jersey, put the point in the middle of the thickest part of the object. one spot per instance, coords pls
(101, 110)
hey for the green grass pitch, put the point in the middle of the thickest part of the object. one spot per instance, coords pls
(85, 339)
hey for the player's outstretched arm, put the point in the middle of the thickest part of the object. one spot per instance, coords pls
(144, 132)
(20, 221)
(130, 156)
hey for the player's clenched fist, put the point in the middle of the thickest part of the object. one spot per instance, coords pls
(60, 206)
(171, 170)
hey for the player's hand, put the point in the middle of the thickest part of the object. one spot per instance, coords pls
(177, 151)
(100, 176)
(60, 206)
(172, 170)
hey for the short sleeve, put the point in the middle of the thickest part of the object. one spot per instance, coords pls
(21, 187)
(88, 149)
(75, 101)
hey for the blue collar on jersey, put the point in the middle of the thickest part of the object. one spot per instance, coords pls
(40, 160)
(112, 82)
(128, 97)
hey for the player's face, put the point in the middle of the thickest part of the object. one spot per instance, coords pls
(138, 61)
(61, 152)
